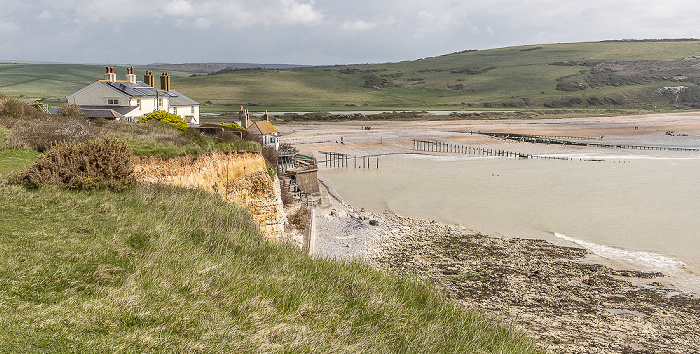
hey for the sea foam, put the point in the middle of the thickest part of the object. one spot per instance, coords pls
(646, 260)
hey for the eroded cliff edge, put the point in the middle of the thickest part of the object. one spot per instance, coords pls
(238, 177)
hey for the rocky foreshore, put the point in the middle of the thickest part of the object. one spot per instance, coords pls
(548, 291)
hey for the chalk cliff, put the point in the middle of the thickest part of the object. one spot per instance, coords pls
(238, 177)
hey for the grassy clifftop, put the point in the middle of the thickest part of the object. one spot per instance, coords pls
(163, 269)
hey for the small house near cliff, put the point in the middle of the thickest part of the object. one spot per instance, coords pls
(130, 99)
(264, 129)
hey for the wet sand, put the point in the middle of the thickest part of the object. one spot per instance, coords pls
(386, 137)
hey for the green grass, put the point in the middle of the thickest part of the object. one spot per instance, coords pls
(53, 81)
(163, 269)
(519, 79)
(16, 160)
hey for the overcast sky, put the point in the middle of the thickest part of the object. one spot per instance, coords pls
(318, 31)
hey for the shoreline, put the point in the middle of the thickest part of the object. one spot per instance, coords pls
(566, 302)
(551, 292)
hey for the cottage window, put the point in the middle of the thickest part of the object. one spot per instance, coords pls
(192, 109)
(112, 101)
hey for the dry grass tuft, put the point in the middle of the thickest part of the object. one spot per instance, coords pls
(299, 218)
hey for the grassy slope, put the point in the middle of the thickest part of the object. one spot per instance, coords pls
(14, 160)
(518, 76)
(52, 81)
(165, 269)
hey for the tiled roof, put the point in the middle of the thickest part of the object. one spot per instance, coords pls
(265, 127)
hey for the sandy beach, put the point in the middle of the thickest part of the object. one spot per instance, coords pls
(554, 293)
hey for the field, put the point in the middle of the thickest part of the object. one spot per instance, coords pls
(506, 78)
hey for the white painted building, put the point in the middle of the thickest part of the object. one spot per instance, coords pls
(134, 99)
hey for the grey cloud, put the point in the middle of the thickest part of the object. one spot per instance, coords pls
(320, 31)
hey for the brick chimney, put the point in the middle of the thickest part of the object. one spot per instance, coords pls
(110, 76)
(149, 79)
(165, 82)
(266, 116)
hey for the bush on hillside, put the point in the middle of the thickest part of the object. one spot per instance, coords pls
(40, 135)
(101, 164)
(165, 117)
(14, 112)
(232, 125)
(194, 136)
(70, 110)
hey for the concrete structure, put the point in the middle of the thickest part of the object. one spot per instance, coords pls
(133, 99)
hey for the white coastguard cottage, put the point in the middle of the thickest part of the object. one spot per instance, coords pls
(130, 99)
(264, 129)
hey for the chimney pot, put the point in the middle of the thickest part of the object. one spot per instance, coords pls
(109, 75)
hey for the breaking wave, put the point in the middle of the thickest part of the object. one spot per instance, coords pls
(644, 260)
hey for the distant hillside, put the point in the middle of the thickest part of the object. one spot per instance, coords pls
(207, 68)
(611, 74)
(638, 74)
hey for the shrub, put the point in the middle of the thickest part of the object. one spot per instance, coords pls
(15, 112)
(194, 136)
(228, 136)
(14, 108)
(300, 218)
(70, 110)
(165, 117)
(40, 135)
(232, 125)
(93, 165)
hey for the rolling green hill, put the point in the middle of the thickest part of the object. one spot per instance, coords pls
(540, 76)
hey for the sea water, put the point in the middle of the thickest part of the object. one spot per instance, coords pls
(634, 212)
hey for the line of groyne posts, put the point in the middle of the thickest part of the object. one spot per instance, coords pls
(441, 146)
(340, 160)
(546, 139)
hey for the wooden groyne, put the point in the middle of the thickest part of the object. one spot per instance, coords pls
(573, 140)
(448, 147)
(340, 160)
(442, 146)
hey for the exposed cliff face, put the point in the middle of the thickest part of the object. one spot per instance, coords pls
(237, 177)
